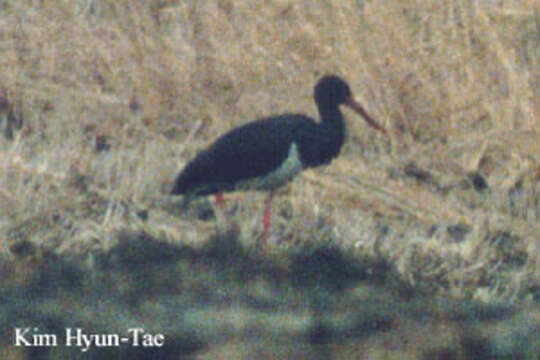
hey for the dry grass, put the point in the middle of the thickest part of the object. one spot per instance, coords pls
(156, 81)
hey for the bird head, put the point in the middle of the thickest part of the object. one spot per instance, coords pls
(331, 91)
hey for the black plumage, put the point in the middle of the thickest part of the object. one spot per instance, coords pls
(268, 152)
(255, 150)
(258, 148)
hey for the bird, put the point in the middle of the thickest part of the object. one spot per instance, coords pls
(267, 153)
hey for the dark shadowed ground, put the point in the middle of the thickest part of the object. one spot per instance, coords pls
(223, 301)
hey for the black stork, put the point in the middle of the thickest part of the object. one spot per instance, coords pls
(268, 152)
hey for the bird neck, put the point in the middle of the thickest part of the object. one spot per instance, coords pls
(332, 131)
(332, 117)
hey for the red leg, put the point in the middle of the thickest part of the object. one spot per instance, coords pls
(222, 221)
(224, 225)
(266, 216)
(219, 199)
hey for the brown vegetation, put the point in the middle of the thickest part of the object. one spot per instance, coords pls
(114, 97)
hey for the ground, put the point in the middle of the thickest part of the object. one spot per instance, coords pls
(105, 101)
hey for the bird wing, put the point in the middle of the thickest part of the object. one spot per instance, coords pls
(246, 152)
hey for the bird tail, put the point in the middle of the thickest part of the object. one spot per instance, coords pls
(177, 189)
(180, 188)
(180, 184)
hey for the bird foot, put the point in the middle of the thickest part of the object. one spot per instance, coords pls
(272, 239)
(267, 239)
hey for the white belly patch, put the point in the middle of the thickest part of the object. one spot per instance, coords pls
(284, 173)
